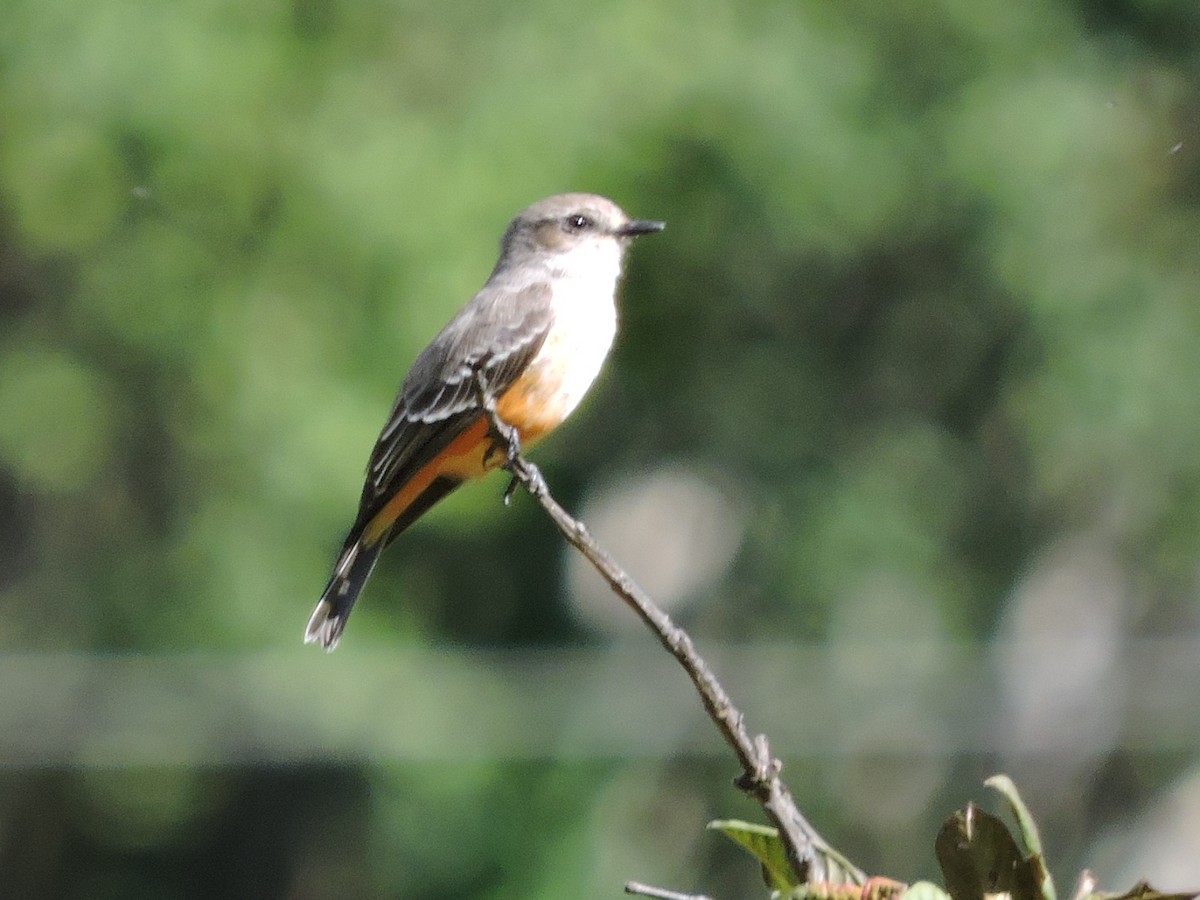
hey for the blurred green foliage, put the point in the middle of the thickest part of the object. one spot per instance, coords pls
(928, 300)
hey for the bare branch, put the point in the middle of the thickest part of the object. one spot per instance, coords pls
(645, 890)
(811, 856)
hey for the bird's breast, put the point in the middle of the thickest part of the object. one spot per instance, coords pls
(558, 377)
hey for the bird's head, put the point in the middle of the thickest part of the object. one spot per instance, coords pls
(567, 230)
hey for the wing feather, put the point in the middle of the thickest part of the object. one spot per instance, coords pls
(499, 332)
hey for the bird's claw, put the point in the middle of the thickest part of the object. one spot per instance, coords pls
(510, 490)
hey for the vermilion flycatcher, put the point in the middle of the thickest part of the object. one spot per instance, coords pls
(538, 333)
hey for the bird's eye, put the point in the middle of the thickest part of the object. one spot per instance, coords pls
(577, 222)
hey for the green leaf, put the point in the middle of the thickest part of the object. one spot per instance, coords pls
(763, 843)
(1004, 786)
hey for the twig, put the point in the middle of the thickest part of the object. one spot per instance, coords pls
(645, 890)
(811, 856)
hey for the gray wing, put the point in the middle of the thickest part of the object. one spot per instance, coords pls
(498, 333)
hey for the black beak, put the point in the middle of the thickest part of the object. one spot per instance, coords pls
(634, 227)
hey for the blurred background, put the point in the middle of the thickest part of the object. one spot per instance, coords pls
(902, 425)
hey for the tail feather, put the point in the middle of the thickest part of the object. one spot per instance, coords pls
(358, 559)
(349, 576)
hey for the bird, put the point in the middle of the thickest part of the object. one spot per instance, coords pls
(536, 335)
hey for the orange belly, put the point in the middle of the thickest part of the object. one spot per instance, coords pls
(533, 405)
(529, 405)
